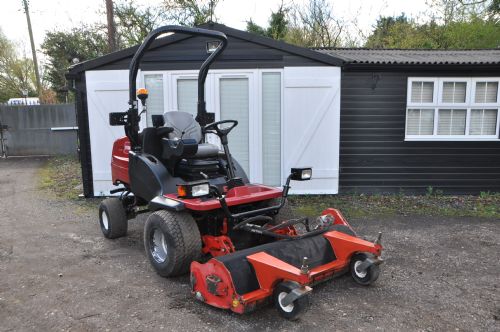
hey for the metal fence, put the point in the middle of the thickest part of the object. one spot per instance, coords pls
(38, 130)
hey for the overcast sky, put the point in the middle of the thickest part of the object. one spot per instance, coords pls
(48, 15)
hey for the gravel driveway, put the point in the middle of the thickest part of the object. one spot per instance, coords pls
(57, 272)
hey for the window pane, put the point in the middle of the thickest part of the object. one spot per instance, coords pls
(483, 122)
(187, 98)
(454, 92)
(271, 128)
(234, 105)
(452, 122)
(154, 84)
(422, 92)
(486, 92)
(420, 122)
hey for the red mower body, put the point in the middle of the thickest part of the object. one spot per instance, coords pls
(236, 196)
(119, 161)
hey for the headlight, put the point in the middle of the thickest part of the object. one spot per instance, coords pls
(301, 174)
(193, 189)
(200, 190)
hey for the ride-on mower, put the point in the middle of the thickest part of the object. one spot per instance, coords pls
(239, 241)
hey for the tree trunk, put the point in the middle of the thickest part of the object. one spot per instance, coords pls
(111, 26)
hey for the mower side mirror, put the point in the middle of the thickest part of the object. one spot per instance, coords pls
(301, 173)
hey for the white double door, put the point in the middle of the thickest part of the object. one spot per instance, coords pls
(235, 95)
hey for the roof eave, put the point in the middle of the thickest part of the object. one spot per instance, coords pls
(420, 66)
(122, 54)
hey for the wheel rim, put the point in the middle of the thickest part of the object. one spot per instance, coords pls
(288, 308)
(360, 274)
(105, 221)
(158, 247)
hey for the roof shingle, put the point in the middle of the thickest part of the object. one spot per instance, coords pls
(414, 56)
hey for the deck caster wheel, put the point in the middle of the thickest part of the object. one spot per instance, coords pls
(172, 241)
(295, 309)
(362, 276)
(113, 218)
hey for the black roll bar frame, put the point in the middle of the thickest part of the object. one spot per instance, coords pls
(203, 117)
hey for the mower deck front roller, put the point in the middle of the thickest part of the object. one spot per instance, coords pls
(172, 241)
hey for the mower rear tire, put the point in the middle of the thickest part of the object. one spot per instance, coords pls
(294, 310)
(367, 277)
(172, 241)
(113, 218)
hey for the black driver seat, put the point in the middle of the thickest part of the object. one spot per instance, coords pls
(206, 159)
(185, 126)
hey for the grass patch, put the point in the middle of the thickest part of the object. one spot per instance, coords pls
(486, 205)
(61, 177)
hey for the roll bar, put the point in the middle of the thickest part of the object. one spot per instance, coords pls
(132, 122)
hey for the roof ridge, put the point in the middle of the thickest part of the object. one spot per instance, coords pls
(402, 49)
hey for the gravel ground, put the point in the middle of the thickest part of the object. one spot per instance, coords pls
(57, 272)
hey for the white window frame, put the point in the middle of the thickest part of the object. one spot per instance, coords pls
(467, 82)
(438, 104)
(192, 75)
(254, 129)
(422, 79)
(170, 78)
(283, 172)
(485, 105)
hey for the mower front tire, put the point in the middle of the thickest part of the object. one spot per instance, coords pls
(113, 218)
(294, 310)
(366, 277)
(172, 241)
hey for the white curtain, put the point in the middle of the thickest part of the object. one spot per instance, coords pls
(187, 96)
(154, 84)
(422, 92)
(420, 122)
(234, 105)
(452, 122)
(483, 122)
(486, 92)
(454, 92)
(271, 128)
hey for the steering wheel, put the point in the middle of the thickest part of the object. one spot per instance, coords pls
(221, 128)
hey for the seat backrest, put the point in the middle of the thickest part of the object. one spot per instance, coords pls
(184, 125)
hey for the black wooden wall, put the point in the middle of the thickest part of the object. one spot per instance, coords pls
(191, 52)
(374, 158)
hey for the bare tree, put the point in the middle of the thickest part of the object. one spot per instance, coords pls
(447, 11)
(316, 25)
(134, 22)
(191, 12)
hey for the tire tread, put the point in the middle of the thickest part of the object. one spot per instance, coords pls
(186, 236)
(117, 217)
